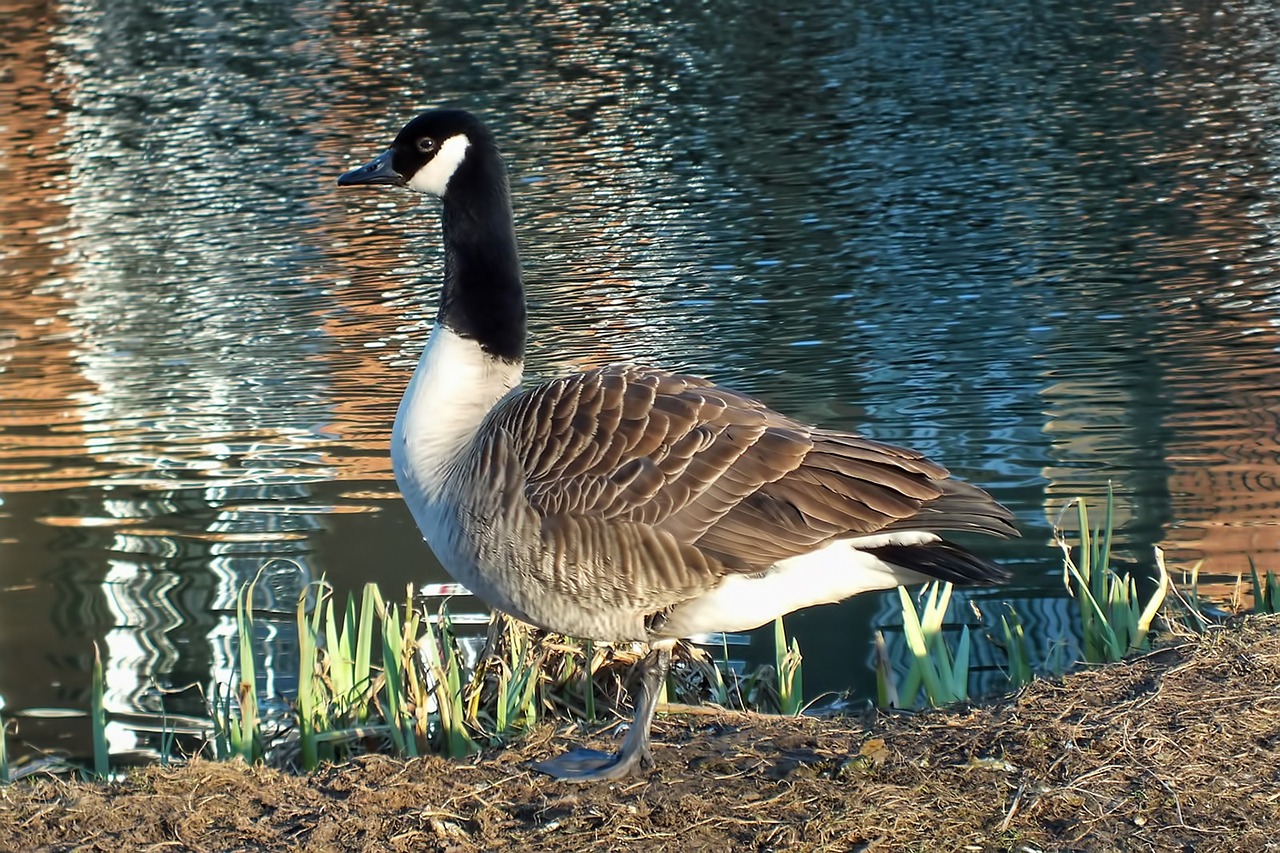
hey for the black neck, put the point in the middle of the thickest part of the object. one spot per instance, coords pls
(483, 297)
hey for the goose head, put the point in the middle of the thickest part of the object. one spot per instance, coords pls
(432, 152)
(451, 155)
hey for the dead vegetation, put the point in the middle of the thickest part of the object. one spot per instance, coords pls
(1175, 750)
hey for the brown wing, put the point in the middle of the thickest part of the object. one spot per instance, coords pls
(718, 470)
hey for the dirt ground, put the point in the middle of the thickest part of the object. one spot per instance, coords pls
(1176, 750)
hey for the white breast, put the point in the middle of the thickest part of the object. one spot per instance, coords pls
(454, 386)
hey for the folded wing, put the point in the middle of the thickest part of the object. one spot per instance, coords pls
(718, 470)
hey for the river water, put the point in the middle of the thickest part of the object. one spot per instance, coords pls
(1036, 240)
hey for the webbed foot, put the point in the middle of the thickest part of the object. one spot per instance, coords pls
(592, 765)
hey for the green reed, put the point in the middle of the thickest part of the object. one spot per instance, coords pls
(1266, 590)
(788, 666)
(98, 719)
(5, 778)
(1114, 621)
(1017, 648)
(942, 672)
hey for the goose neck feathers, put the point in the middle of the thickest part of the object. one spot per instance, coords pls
(451, 155)
(483, 294)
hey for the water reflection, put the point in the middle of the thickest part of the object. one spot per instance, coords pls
(1036, 241)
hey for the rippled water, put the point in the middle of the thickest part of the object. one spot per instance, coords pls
(1035, 240)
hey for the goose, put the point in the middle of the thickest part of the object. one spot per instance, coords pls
(628, 503)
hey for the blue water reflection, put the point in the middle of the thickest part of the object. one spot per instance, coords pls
(1036, 241)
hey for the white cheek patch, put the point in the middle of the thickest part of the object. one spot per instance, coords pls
(434, 177)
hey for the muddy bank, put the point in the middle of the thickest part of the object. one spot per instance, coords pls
(1177, 750)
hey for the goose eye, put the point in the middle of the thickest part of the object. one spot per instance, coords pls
(426, 145)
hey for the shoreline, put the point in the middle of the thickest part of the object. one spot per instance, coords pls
(1175, 748)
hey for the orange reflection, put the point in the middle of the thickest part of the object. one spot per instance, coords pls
(1224, 457)
(1226, 485)
(41, 384)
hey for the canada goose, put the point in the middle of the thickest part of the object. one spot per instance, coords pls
(627, 503)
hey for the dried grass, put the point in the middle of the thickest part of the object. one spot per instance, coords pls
(1176, 750)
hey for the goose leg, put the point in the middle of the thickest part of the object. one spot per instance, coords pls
(590, 765)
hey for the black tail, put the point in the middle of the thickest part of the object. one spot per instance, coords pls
(944, 561)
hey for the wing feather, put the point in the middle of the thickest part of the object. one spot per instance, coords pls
(707, 467)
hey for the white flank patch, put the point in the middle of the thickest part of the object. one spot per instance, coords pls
(901, 537)
(832, 573)
(434, 177)
(454, 386)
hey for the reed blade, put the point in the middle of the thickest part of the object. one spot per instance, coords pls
(98, 720)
